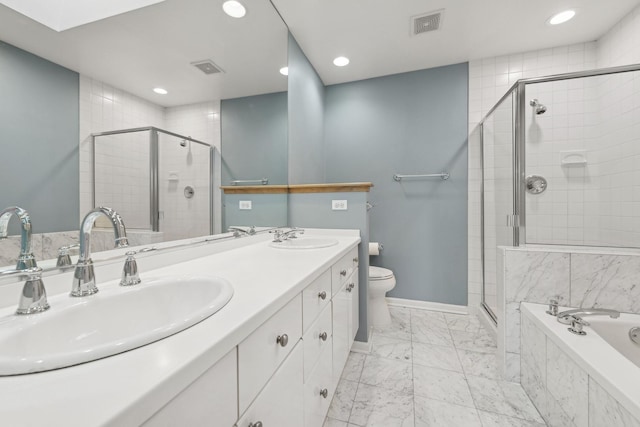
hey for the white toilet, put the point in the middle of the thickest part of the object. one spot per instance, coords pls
(381, 281)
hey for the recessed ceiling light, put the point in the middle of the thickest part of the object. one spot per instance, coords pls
(341, 61)
(234, 8)
(562, 17)
(284, 71)
(160, 91)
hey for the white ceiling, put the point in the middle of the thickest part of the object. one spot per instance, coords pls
(154, 46)
(375, 36)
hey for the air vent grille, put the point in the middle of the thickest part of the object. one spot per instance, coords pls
(207, 67)
(425, 23)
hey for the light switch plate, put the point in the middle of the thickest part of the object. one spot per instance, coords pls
(245, 205)
(339, 205)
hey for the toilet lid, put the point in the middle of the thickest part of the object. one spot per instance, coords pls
(379, 273)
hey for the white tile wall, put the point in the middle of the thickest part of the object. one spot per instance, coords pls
(122, 162)
(202, 122)
(105, 108)
(582, 203)
(489, 80)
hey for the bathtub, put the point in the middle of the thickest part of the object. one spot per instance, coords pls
(590, 380)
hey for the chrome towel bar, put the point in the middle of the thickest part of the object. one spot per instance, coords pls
(443, 175)
(263, 181)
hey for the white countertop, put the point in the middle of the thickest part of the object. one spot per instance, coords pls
(127, 389)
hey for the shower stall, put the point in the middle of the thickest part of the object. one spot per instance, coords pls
(561, 166)
(159, 181)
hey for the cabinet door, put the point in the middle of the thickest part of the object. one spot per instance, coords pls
(210, 400)
(354, 313)
(263, 351)
(318, 391)
(280, 403)
(341, 319)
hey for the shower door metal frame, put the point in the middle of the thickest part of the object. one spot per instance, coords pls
(154, 169)
(518, 89)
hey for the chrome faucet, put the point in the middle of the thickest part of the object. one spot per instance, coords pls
(280, 235)
(84, 278)
(239, 231)
(33, 298)
(568, 316)
(26, 259)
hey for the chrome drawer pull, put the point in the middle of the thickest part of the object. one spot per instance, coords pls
(324, 393)
(323, 336)
(355, 260)
(322, 295)
(343, 272)
(283, 340)
(256, 424)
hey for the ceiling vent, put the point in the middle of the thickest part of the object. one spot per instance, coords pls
(207, 66)
(426, 22)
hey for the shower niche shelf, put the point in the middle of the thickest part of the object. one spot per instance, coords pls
(573, 158)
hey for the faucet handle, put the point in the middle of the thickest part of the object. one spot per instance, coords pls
(63, 255)
(130, 274)
(33, 298)
(576, 325)
(553, 307)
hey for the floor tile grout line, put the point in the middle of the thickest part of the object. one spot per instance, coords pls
(464, 373)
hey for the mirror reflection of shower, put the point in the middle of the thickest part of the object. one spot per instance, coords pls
(539, 108)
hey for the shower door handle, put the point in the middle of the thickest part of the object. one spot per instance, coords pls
(513, 221)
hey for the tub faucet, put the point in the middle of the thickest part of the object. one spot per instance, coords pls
(568, 316)
(84, 278)
(26, 259)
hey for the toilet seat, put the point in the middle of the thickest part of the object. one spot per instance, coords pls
(379, 273)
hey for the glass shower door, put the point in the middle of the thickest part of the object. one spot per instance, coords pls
(497, 138)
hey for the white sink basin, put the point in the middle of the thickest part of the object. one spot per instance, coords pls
(116, 319)
(304, 243)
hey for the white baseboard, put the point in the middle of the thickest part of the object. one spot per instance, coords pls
(427, 305)
(363, 347)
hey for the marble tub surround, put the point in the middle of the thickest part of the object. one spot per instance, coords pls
(45, 245)
(441, 377)
(576, 381)
(126, 389)
(575, 276)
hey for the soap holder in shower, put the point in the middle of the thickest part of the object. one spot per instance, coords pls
(573, 158)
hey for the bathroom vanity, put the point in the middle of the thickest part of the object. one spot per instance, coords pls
(272, 356)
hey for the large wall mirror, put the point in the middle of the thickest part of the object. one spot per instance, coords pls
(226, 82)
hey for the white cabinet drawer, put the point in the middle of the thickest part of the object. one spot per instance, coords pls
(318, 391)
(316, 340)
(280, 403)
(342, 269)
(209, 401)
(315, 297)
(262, 352)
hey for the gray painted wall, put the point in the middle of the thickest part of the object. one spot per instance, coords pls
(314, 211)
(268, 210)
(306, 118)
(410, 123)
(253, 132)
(39, 135)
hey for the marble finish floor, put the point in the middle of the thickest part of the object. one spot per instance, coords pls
(429, 369)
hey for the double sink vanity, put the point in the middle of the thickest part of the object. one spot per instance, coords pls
(240, 331)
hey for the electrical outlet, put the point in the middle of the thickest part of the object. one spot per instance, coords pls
(339, 205)
(245, 205)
